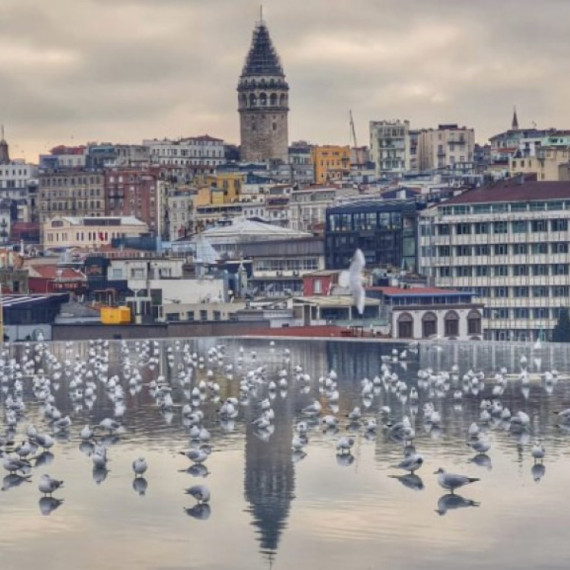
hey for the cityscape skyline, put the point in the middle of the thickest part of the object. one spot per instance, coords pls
(122, 71)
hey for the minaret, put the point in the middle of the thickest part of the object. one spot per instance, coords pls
(4, 150)
(263, 102)
(515, 125)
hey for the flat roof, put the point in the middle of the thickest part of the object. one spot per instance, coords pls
(510, 191)
(338, 301)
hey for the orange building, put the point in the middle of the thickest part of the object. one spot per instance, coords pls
(330, 162)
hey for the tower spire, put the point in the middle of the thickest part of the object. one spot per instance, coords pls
(515, 124)
(261, 13)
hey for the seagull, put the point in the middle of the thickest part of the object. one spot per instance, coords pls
(344, 444)
(352, 279)
(538, 451)
(411, 463)
(139, 466)
(48, 485)
(200, 492)
(451, 481)
(196, 455)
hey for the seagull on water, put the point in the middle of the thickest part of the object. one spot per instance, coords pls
(140, 466)
(411, 463)
(452, 481)
(200, 492)
(48, 484)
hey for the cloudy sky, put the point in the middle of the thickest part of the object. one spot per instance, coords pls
(73, 71)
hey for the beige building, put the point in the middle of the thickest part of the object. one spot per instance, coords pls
(550, 164)
(89, 231)
(445, 147)
(72, 193)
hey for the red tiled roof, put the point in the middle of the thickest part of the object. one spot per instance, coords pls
(55, 272)
(510, 191)
(413, 290)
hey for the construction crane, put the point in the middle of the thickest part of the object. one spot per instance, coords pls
(352, 130)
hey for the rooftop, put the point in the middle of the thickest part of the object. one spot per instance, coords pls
(511, 191)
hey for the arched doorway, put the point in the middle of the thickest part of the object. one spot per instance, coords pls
(451, 324)
(429, 325)
(474, 322)
(405, 326)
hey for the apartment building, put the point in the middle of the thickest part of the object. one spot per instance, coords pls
(71, 193)
(330, 163)
(448, 146)
(390, 146)
(510, 244)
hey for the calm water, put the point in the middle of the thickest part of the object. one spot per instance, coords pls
(269, 507)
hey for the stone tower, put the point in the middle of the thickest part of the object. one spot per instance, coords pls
(263, 102)
(4, 150)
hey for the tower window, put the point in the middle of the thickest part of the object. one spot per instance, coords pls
(274, 125)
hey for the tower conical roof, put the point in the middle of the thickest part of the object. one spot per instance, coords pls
(262, 58)
(515, 123)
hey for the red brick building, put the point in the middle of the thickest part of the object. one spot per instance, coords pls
(133, 192)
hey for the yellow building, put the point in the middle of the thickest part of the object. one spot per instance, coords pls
(330, 162)
(550, 164)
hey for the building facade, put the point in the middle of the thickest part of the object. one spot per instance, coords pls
(199, 155)
(508, 243)
(431, 313)
(66, 231)
(390, 147)
(448, 146)
(70, 193)
(330, 163)
(385, 231)
(263, 102)
(133, 192)
(551, 163)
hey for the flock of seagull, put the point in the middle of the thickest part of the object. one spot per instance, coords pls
(190, 380)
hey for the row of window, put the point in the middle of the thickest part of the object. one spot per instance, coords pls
(503, 207)
(539, 248)
(47, 181)
(521, 292)
(520, 313)
(501, 227)
(534, 270)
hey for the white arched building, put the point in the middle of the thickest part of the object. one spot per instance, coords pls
(427, 313)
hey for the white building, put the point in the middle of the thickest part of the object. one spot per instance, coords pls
(180, 208)
(203, 152)
(307, 208)
(390, 146)
(68, 231)
(510, 244)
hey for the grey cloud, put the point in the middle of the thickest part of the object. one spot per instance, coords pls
(126, 69)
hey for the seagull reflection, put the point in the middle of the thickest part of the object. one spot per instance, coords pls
(100, 474)
(483, 460)
(201, 511)
(49, 504)
(14, 480)
(298, 455)
(345, 459)
(44, 458)
(452, 501)
(196, 470)
(409, 480)
(140, 485)
(538, 470)
(86, 447)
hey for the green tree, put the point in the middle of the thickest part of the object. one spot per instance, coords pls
(561, 332)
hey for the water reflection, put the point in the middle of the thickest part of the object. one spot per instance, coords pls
(287, 473)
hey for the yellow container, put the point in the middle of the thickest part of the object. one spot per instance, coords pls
(115, 315)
